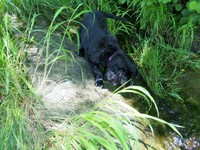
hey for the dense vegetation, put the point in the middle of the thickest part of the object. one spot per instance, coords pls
(161, 44)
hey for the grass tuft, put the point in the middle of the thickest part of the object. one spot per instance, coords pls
(111, 124)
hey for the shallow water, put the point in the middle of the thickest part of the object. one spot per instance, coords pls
(185, 113)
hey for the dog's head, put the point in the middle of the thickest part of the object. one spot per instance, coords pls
(120, 69)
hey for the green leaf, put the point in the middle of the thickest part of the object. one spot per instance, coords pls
(198, 8)
(142, 4)
(175, 1)
(87, 144)
(193, 5)
(115, 128)
(105, 143)
(184, 20)
(141, 91)
(166, 1)
(178, 7)
(172, 126)
(149, 3)
(121, 2)
(103, 130)
(185, 12)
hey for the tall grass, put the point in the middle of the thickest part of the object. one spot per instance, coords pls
(24, 125)
(164, 47)
(111, 125)
(17, 130)
(152, 16)
(155, 70)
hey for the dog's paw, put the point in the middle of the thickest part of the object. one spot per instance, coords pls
(99, 83)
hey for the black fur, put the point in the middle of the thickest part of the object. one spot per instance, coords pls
(102, 50)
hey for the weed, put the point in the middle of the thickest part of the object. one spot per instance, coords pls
(111, 125)
(15, 125)
(104, 127)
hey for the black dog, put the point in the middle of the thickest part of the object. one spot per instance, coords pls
(103, 51)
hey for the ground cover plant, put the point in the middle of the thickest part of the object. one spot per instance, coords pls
(16, 126)
(24, 125)
(166, 36)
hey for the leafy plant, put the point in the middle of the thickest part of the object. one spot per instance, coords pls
(111, 125)
(21, 119)
(195, 6)
(17, 130)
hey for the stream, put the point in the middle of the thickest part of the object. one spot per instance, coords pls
(185, 113)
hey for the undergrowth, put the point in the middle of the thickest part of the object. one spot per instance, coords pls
(17, 129)
(165, 39)
(22, 126)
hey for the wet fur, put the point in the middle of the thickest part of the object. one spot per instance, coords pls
(102, 49)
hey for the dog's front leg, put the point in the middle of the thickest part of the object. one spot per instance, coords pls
(98, 76)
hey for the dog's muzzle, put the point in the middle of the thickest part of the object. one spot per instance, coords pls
(116, 78)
